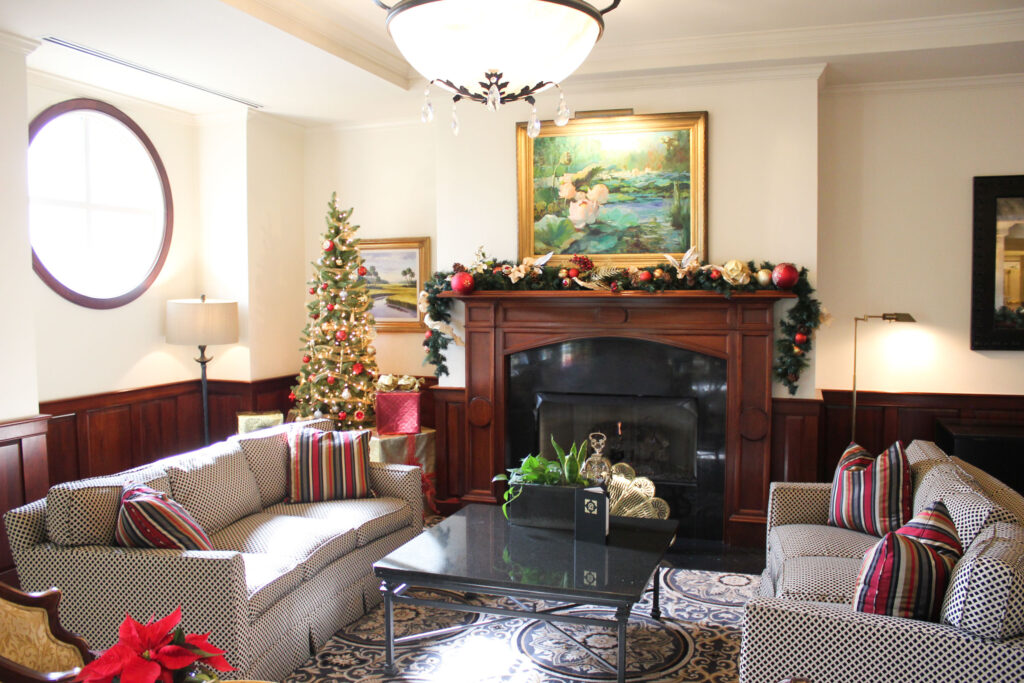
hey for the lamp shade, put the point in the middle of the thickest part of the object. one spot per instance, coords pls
(202, 322)
(532, 43)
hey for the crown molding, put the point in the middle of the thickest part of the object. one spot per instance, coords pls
(12, 42)
(661, 79)
(959, 83)
(985, 28)
(297, 19)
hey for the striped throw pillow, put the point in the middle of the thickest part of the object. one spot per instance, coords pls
(152, 519)
(907, 572)
(871, 494)
(328, 465)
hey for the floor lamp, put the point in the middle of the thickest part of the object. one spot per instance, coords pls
(891, 317)
(202, 322)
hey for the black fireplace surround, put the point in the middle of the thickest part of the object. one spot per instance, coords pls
(662, 408)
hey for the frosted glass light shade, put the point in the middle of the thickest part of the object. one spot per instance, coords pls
(196, 322)
(531, 42)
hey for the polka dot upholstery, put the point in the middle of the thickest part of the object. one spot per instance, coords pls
(274, 584)
(371, 518)
(803, 624)
(267, 453)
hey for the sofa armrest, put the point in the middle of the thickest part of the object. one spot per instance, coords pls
(400, 481)
(101, 584)
(26, 526)
(833, 643)
(791, 502)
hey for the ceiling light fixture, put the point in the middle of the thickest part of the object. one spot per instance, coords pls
(497, 51)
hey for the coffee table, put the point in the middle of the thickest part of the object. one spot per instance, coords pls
(477, 551)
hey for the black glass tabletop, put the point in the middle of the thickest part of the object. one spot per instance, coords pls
(477, 548)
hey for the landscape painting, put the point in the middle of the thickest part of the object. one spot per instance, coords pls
(623, 190)
(395, 269)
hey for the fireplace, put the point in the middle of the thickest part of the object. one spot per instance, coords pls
(733, 333)
(661, 408)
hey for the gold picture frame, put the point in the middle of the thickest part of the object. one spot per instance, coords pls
(397, 269)
(623, 190)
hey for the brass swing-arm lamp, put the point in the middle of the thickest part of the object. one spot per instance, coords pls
(890, 317)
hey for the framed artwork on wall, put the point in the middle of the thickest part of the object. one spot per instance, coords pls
(997, 312)
(395, 272)
(624, 190)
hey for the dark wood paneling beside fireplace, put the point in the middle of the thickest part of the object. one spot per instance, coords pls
(23, 475)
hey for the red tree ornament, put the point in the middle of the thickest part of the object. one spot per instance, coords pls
(462, 283)
(330, 307)
(330, 379)
(785, 275)
(362, 270)
(357, 369)
(342, 415)
(328, 245)
(341, 335)
(291, 396)
(312, 290)
(306, 359)
(359, 416)
(428, 334)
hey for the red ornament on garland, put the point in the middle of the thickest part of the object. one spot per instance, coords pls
(462, 283)
(614, 286)
(574, 272)
(645, 276)
(567, 283)
(785, 275)
(341, 335)
(328, 245)
(362, 270)
(428, 334)
(714, 275)
(800, 338)
(357, 369)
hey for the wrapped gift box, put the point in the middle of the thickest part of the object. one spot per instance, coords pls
(409, 449)
(398, 412)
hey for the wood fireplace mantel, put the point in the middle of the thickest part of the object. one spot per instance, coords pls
(739, 328)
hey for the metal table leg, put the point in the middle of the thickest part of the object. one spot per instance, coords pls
(656, 606)
(622, 615)
(389, 626)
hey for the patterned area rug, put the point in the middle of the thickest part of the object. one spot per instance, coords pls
(697, 639)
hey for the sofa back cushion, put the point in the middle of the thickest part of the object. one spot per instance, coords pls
(986, 592)
(84, 512)
(328, 465)
(266, 450)
(871, 494)
(214, 484)
(1002, 495)
(935, 479)
(152, 519)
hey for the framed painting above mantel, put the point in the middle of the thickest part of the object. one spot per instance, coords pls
(623, 190)
(997, 310)
(396, 270)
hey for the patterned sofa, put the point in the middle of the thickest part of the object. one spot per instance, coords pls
(281, 580)
(803, 623)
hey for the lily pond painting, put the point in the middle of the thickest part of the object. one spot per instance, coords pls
(625, 189)
(394, 277)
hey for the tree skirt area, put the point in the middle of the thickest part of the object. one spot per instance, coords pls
(697, 639)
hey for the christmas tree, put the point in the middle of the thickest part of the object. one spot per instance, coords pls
(338, 362)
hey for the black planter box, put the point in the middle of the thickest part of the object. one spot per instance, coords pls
(551, 507)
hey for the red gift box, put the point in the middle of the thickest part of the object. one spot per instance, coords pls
(398, 412)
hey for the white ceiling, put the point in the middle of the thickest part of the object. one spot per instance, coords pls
(322, 61)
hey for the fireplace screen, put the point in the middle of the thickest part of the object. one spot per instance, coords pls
(656, 435)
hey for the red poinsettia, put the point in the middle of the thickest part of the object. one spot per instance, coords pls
(156, 651)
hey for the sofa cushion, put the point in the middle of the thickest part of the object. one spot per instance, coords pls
(268, 578)
(973, 511)
(328, 465)
(906, 573)
(214, 484)
(267, 453)
(85, 512)
(371, 518)
(920, 451)
(152, 519)
(810, 540)
(986, 592)
(313, 543)
(934, 480)
(871, 494)
(818, 579)
(1002, 495)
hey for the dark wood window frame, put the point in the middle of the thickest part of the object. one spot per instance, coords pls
(79, 104)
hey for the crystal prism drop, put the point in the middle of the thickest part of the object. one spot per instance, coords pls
(493, 98)
(533, 125)
(427, 112)
(562, 115)
(455, 121)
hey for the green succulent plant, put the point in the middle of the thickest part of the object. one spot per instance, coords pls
(536, 469)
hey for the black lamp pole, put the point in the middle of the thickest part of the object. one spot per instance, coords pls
(203, 360)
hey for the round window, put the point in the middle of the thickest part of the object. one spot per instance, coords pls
(100, 212)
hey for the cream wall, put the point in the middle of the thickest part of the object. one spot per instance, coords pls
(20, 397)
(276, 275)
(81, 351)
(897, 164)
(387, 174)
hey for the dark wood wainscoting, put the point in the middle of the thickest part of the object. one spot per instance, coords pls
(808, 435)
(104, 433)
(23, 475)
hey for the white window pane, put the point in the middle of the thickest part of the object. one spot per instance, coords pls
(56, 161)
(121, 172)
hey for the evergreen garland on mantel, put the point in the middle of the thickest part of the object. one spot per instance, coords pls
(797, 327)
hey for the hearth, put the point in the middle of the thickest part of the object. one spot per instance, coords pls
(662, 409)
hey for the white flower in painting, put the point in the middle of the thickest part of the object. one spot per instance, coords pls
(567, 190)
(580, 213)
(598, 193)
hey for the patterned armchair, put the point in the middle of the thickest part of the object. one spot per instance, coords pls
(34, 646)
